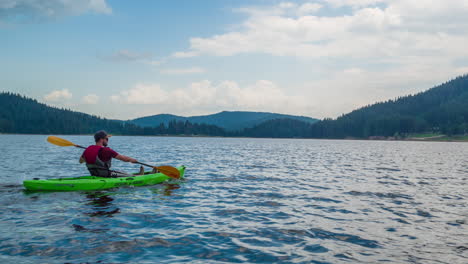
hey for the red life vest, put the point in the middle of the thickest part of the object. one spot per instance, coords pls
(95, 165)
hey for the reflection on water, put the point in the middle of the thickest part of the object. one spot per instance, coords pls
(80, 228)
(101, 205)
(166, 189)
(243, 201)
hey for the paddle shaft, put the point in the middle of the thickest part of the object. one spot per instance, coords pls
(78, 146)
(146, 164)
(167, 170)
(141, 163)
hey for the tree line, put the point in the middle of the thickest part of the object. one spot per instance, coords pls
(19, 114)
(442, 109)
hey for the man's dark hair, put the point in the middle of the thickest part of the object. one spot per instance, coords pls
(100, 134)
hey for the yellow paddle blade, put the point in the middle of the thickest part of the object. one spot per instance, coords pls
(60, 142)
(169, 171)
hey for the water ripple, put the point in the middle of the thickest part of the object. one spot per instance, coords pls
(243, 201)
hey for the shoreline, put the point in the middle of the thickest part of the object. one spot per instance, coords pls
(441, 138)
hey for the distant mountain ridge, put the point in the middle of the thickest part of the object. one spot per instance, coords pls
(440, 110)
(229, 120)
(20, 114)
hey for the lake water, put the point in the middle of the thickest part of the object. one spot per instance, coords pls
(243, 201)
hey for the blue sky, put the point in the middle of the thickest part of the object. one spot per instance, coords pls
(127, 59)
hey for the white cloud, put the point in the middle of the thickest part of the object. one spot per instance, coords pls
(20, 10)
(354, 3)
(353, 88)
(389, 30)
(181, 54)
(58, 95)
(308, 8)
(353, 71)
(331, 96)
(90, 99)
(206, 97)
(264, 95)
(462, 70)
(392, 48)
(194, 70)
(99, 6)
(129, 56)
(142, 94)
(156, 62)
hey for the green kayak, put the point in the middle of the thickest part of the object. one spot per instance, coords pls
(88, 183)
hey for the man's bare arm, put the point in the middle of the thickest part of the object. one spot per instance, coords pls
(125, 158)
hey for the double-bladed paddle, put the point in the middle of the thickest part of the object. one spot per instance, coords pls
(166, 170)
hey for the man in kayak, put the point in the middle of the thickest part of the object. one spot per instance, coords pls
(98, 158)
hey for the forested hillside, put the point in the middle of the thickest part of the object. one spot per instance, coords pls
(228, 120)
(277, 128)
(19, 114)
(442, 109)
